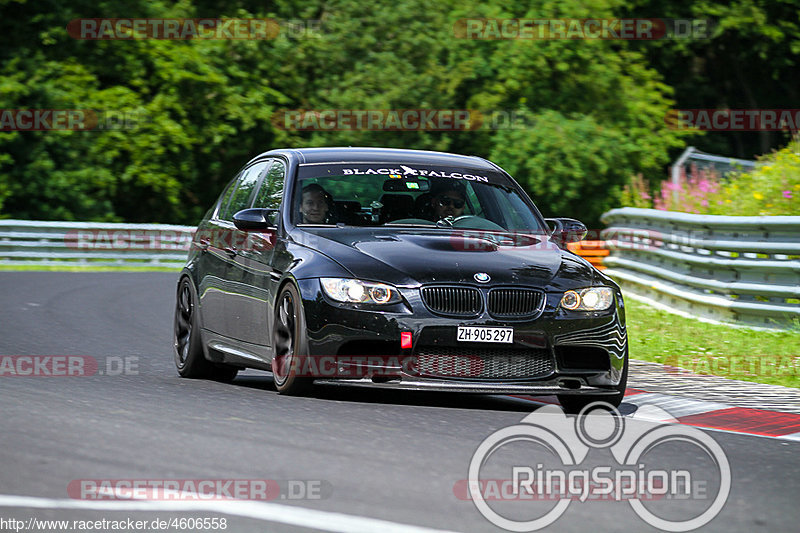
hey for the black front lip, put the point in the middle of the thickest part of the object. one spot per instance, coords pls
(416, 383)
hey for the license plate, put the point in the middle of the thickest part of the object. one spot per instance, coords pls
(482, 334)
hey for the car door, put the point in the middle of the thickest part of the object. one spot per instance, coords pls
(212, 264)
(255, 277)
(226, 244)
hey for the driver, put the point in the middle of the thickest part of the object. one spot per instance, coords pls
(315, 206)
(448, 200)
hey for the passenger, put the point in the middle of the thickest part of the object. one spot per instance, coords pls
(315, 207)
(448, 200)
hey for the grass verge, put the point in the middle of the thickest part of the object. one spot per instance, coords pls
(771, 357)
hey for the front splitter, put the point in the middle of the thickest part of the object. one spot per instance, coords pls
(537, 389)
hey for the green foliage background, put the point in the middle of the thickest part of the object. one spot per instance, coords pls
(595, 108)
(771, 189)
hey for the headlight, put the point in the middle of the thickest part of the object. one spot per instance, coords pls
(591, 299)
(355, 291)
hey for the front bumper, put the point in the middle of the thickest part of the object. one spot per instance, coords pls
(599, 340)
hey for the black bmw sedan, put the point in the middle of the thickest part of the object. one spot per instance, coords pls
(396, 268)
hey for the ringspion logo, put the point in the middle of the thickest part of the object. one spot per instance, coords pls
(641, 469)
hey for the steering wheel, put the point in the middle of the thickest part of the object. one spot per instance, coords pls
(470, 221)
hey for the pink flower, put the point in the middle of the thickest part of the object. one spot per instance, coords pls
(787, 194)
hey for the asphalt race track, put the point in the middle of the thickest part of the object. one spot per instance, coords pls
(342, 460)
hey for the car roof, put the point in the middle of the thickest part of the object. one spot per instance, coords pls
(380, 155)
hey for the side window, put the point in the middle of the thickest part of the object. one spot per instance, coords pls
(515, 213)
(225, 197)
(244, 190)
(271, 191)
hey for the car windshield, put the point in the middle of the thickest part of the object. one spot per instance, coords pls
(397, 195)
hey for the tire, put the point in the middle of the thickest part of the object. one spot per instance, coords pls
(573, 404)
(189, 358)
(290, 342)
(188, 348)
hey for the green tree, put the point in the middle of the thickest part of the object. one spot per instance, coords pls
(750, 59)
(594, 109)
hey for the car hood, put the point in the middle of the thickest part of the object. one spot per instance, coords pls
(408, 258)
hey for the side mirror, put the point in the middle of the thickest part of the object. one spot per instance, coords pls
(256, 219)
(566, 230)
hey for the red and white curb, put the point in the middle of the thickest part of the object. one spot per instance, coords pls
(703, 414)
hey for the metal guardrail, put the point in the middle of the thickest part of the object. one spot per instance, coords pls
(742, 270)
(88, 244)
(719, 163)
(737, 269)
